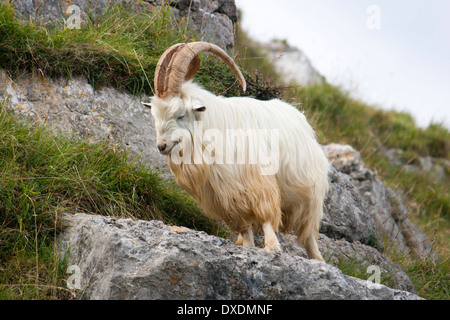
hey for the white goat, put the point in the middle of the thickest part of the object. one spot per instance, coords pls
(290, 199)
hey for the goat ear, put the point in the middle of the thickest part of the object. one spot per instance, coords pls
(199, 108)
(148, 105)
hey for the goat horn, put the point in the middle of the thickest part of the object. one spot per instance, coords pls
(193, 68)
(184, 65)
(162, 68)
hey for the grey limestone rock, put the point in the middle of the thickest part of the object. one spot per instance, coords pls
(291, 64)
(383, 204)
(72, 107)
(346, 214)
(126, 259)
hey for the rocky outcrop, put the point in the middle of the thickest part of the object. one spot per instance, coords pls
(438, 168)
(346, 215)
(383, 204)
(210, 20)
(291, 64)
(74, 108)
(126, 259)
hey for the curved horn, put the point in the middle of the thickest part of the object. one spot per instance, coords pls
(193, 68)
(185, 65)
(162, 68)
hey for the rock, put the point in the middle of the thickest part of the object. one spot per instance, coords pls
(342, 252)
(438, 168)
(228, 8)
(291, 64)
(212, 20)
(382, 203)
(346, 215)
(211, 27)
(414, 240)
(185, 4)
(73, 107)
(126, 259)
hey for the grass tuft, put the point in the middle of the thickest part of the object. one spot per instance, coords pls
(44, 176)
(116, 48)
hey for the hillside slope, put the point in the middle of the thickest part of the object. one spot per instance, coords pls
(78, 82)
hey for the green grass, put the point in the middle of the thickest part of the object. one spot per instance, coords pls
(119, 48)
(430, 278)
(111, 49)
(338, 114)
(341, 119)
(44, 176)
(338, 118)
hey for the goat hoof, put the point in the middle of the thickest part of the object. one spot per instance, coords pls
(239, 240)
(272, 249)
(318, 258)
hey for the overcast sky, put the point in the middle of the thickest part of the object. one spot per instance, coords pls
(390, 53)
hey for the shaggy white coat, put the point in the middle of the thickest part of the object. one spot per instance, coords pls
(289, 200)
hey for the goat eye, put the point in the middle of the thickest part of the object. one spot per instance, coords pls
(181, 117)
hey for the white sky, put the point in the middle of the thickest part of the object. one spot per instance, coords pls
(404, 65)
